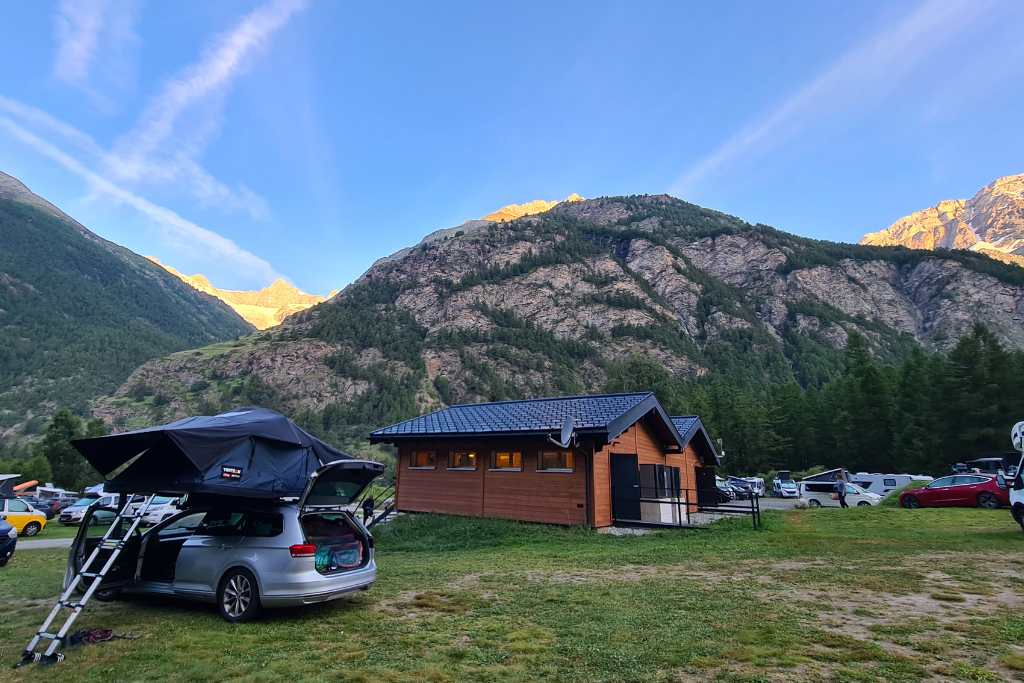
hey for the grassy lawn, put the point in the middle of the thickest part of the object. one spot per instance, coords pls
(856, 595)
(53, 529)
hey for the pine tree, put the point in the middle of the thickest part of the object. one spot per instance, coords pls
(69, 469)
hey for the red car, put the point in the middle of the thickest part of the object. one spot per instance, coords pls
(959, 490)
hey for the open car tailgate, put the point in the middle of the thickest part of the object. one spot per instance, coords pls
(339, 483)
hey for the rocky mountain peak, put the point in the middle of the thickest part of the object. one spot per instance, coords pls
(262, 308)
(514, 211)
(991, 222)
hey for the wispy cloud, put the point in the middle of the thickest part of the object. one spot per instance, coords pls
(96, 46)
(868, 70)
(176, 230)
(164, 145)
(77, 27)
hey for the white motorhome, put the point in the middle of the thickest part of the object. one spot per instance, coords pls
(884, 484)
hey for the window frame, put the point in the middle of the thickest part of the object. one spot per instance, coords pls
(433, 460)
(494, 461)
(568, 452)
(464, 468)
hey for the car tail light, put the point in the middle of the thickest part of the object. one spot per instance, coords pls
(302, 550)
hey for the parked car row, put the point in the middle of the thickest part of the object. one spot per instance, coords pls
(51, 507)
(160, 509)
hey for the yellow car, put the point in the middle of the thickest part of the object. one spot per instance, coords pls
(25, 519)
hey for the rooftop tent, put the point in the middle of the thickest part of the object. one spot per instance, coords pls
(250, 452)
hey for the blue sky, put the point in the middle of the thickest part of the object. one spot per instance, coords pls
(249, 140)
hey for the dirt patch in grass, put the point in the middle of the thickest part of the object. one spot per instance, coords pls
(426, 604)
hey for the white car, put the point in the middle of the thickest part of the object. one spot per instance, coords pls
(73, 514)
(787, 489)
(1017, 493)
(160, 509)
(818, 494)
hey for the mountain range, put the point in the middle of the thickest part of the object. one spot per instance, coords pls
(555, 302)
(262, 308)
(991, 222)
(539, 298)
(78, 313)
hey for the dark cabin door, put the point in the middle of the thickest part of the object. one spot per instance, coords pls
(625, 487)
(707, 490)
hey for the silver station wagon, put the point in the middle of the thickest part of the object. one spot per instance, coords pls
(245, 554)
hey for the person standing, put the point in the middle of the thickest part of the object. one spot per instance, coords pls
(841, 489)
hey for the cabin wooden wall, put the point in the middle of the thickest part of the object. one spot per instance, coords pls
(638, 440)
(529, 495)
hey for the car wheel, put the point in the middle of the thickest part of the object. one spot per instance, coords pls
(813, 503)
(31, 529)
(109, 595)
(3, 560)
(1018, 514)
(987, 500)
(863, 504)
(911, 502)
(238, 597)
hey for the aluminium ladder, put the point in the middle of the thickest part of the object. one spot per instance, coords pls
(66, 601)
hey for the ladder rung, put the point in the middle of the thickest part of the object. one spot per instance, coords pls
(112, 544)
(48, 636)
(89, 575)
(71, 604)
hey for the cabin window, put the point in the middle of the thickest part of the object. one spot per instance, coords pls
(888, 482)
(462, 460)
(555, 461)
(422, 460)
(507, 460)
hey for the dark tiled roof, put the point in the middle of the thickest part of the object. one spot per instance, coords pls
(684, 423)
(512, 417)
(688, 426)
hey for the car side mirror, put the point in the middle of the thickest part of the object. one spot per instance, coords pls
(1001, 480)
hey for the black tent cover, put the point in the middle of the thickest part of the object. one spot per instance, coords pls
(250, 452)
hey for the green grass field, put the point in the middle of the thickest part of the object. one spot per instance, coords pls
(855, 595)
(54, 529)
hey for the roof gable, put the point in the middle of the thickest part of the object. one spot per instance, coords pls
(609, 414)
(690, 426)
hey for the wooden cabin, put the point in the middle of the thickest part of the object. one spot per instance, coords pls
(505, 460)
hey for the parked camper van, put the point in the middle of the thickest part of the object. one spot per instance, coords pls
(820, 494)
(884, 484)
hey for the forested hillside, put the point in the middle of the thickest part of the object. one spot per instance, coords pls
(918, 415)
(582, 298)
(78, 313)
